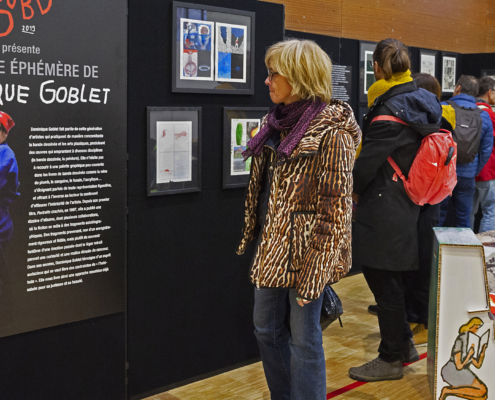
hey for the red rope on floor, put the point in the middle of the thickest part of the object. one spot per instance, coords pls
(355, 385)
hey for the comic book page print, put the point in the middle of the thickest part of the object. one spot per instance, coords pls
(231, 44)
(242, 131)
(196, 49)
(173, 151)
(448, 78)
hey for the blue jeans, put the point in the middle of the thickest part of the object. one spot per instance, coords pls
(294, 363)
(484, 197)
(462, 199)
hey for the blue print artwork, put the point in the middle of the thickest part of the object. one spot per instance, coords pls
(224, 65)
(223, 33)
(237, 32)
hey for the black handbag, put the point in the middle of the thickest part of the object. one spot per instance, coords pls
(331, 308)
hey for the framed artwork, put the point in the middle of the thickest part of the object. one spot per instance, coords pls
(213, 49)
(174, 150)
(488, 72)
(427, 62)
(449, 65)
(240, 124)
(366, 73)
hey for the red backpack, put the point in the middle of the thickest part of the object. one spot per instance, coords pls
(432, 176)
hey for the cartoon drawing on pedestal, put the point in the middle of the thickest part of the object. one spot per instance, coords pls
(469, 350)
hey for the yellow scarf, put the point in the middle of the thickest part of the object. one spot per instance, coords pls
(381, 86)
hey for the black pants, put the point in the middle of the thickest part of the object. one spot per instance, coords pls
(388, 289)
(417, 283)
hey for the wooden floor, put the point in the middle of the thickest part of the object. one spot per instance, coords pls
(346, 347)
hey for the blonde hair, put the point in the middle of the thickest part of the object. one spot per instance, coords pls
(307, 68)
(472, 322)
(392, 56)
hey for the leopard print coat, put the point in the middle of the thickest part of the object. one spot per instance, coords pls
(305, 240)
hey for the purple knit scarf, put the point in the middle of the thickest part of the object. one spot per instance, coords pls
(294, 117)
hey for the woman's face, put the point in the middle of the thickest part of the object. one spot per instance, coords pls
(280, 89)
(475, 328)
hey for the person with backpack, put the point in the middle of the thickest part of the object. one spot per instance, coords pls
(473, 133)
(417, 283)
(484, 192)
(385, 236)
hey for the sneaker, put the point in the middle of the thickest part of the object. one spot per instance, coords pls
(409, 352)
(420, 335)
(373, 309)
(377, 370)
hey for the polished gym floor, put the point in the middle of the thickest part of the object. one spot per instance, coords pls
(352, 345)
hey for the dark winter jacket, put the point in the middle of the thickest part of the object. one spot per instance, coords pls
(473, 168)
(488, 171)
(385, 232)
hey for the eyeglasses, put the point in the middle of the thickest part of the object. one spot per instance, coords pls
(271, 74)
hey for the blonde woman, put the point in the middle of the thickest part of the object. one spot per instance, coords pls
(298, 207)
(462, 381)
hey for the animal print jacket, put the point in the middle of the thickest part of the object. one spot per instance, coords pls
(305, 238)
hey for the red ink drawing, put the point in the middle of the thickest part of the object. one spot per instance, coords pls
(178, 135)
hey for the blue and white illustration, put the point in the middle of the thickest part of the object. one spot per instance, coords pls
(231, 52)
(196, 55)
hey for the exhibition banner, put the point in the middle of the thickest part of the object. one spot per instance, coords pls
(62, 161)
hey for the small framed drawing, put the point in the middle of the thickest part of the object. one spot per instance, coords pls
(366, 73)
(174, 150)
(213, 49)
(427, 62)
(449, 65)
(488, 72)
(240, 124)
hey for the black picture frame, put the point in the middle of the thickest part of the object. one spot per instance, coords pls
(187, 177)
(423, 63)
(366, 75)
(488, 72)
(448, 86)
(231, 179)
(211, 15)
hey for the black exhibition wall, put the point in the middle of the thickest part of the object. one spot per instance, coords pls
(63, 69)
(189, 298)
(65, 259)
(474, 64)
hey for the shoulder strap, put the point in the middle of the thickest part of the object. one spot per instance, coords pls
(453, 104)
(388, 118)
(398, 172)
(457, 106)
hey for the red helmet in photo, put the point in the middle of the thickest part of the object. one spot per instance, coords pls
(6, 121)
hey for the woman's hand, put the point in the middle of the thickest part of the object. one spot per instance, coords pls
(355, 198)
(479, 362)
(302, 302)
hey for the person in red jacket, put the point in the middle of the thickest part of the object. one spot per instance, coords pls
(484, 194)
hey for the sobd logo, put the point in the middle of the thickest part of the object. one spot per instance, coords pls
(6, 18)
